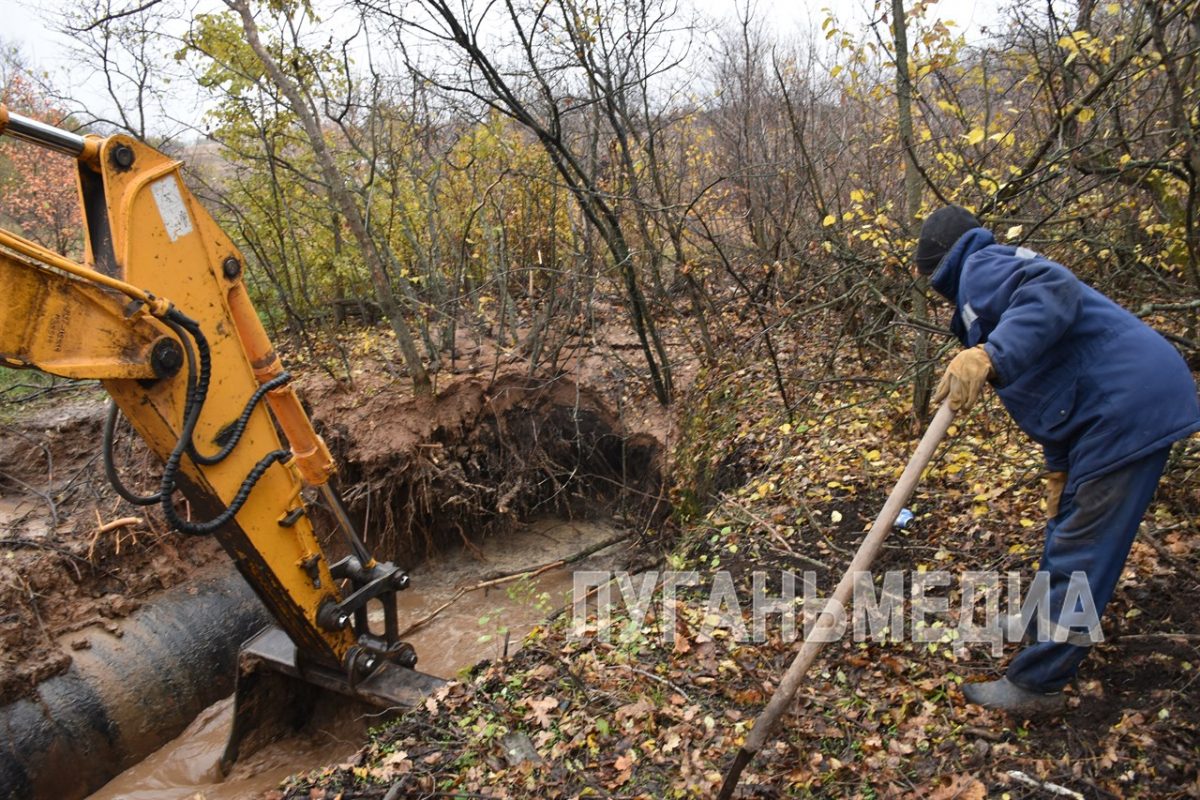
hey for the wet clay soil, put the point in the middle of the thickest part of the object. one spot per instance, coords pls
(61, 573)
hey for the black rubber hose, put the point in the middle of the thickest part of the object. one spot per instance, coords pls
(110, 428)
(239, 427)
(198, 377)
(180, 322)
(110, 468)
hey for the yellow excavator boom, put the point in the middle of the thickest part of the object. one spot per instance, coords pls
(158, 312)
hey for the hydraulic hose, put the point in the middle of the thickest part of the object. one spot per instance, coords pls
(239, 427)
(199, 361)
(182, 324)
(110, 467)
(110, 426)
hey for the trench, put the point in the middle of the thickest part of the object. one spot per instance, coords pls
(485, 481)
(481, 624)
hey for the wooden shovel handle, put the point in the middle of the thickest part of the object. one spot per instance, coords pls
(768, 718)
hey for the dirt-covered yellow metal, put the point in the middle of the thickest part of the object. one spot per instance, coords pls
(150, 245)
(66, 325)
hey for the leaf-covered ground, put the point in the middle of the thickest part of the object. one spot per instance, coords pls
(625, 710)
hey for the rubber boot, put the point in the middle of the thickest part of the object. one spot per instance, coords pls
(1005, 695)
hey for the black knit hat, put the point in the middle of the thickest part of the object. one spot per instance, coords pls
(940, 231)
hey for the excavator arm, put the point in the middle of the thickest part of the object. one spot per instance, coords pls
(158, 312)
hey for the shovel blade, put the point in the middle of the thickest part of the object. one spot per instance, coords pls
(276, 695)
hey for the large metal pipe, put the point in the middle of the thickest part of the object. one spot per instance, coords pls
(39, 133)
(126, 696)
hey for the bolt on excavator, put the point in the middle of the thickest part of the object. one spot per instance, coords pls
(158, 312)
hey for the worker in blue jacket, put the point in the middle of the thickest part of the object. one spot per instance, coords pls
(1104, 395)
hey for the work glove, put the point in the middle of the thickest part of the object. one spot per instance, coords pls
(1055, 483)
(964, 379)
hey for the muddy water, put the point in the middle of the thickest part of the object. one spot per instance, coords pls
(480, 624)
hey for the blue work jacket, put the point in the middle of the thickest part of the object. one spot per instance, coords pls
(1083, 377)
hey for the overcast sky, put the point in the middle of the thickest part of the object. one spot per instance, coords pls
(31, 25)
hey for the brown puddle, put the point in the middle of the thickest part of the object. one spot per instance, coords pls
(473, 628)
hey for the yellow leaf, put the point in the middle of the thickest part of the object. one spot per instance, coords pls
(1014, 232)
(833, 73)
(829, 220)
(835, 516)
(1085, 114)
(785, 428)
(975, 136)
(857, 196)
(1113, 8)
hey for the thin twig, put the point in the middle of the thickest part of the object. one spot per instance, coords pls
(1052, 788)
(1144, 637)
(773, 533)
(658, 678)
(531, 572)
(1149, 538)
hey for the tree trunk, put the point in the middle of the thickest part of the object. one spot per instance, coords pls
(342, 198)
(922, 384)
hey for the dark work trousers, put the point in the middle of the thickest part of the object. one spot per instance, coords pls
(1092, 534)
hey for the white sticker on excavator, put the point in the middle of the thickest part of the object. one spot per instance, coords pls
(171, 207)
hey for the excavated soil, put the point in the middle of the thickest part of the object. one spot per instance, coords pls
(480, 457)
(420, 475)
(60, 573)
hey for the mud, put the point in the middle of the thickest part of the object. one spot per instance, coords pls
(59, 575)
(480, 623)
(462, 472)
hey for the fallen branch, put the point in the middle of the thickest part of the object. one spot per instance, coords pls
(659, 679)
(1135, 637)
(509, 577)
(774, 534)
(45, 496)
(33, 543)
(425, 620)
(1149, 538)
(1052, 788)
(571, 559)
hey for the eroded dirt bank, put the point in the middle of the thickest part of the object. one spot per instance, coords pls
(73, 556)
(477, 459)
(419, 475)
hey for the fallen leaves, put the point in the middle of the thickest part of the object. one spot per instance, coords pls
(652, 715)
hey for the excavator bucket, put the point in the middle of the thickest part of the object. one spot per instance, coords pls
(278, 695)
